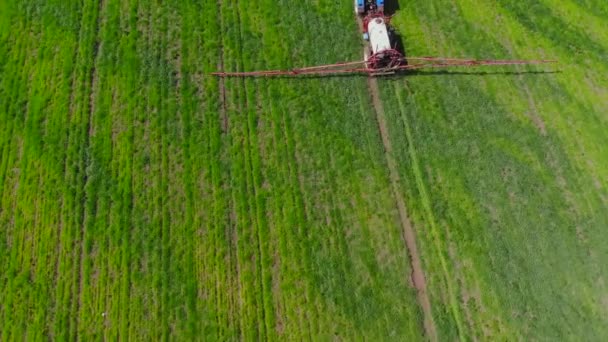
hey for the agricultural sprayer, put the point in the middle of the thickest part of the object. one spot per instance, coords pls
(381, 56)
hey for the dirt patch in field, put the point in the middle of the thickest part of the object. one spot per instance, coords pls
(471, 298)
(533, 114)
(409, 236)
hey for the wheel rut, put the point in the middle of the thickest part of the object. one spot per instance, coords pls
(409, 236)
(90, 108)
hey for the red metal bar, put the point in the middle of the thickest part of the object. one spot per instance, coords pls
(478, 61)
(340, 68)
(306, 70)
(330, 65)
(474, 63)
(295, 72)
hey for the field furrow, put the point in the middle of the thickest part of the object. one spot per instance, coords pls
(409, 236)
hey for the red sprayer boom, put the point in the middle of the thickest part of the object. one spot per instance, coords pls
(363, 67)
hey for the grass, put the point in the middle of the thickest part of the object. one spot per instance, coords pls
(141, 198)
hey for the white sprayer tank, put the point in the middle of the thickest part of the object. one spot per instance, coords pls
(378, 35)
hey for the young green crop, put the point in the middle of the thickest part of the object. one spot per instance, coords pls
(503, 169)
(141, 198)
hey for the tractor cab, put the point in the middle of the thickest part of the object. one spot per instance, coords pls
(363, 7)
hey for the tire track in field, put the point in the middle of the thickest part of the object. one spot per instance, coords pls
(234, 313)
(128, 289)
(62, 217)
(93, 85)
(409, 235)
(223, 128)
(164, 172)
(7, 284)
(275, 269)
(252, 144)
(429, 217)
(220, 65)
(7, 109)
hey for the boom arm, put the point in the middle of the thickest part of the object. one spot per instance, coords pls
(361, 67)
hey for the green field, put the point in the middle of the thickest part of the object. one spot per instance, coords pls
(143, 199)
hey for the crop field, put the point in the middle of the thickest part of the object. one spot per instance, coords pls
(143, 199)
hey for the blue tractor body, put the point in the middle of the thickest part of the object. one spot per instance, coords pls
(360, 6)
